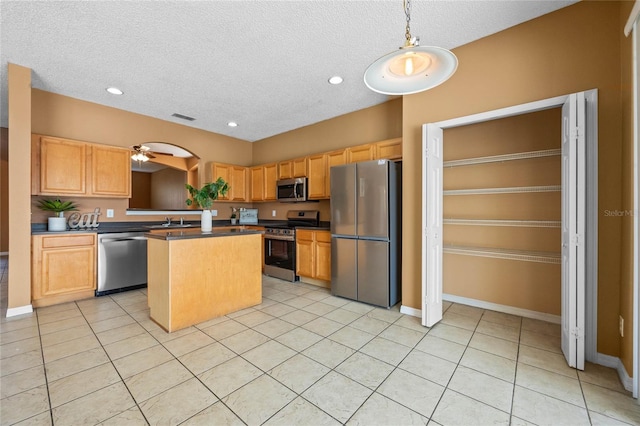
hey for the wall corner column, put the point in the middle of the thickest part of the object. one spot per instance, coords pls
(19, 288)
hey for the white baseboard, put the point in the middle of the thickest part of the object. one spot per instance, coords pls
(526, 313)
(615, 362)
(410, 311)
(21, 310)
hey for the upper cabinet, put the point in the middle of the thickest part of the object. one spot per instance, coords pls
(359, 153)
(67, 167)
(292, 168)
(263, 182)
(391, 149)
(110, 171)
(235, 176)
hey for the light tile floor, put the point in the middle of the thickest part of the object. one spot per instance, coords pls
(302, 357)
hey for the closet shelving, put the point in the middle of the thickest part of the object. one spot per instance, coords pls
(503, 253)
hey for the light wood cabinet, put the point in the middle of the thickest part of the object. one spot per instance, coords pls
(68, 167)
(235, 176)
(270, 179)
(390, 149)
(313, 256)
(317, 176)
(263, 182)
(110, 172)
(361, 153)
(292, 168)
(257, 183)
(63, 268)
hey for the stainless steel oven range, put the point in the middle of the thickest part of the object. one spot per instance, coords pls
(280, 244)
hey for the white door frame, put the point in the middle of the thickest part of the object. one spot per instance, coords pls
(591, 311)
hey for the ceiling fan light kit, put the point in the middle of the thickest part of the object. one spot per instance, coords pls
(412, 68)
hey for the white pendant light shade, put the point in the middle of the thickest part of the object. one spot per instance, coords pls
(410, 69)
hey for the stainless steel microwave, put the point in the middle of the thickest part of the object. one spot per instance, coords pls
(292, 190)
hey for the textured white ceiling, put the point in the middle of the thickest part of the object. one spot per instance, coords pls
(263, 64)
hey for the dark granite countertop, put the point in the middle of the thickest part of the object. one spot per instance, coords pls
(190, 233)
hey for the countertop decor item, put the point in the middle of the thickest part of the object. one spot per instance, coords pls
(56, 205)
(412, 68)
(204, 198)
(234, 215)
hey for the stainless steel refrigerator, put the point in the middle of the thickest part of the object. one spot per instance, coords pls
(366, 232)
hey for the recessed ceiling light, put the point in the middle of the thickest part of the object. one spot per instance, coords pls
(336, 79)
(232, 124)
(114, 91)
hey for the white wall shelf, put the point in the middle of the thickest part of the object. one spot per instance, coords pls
(508, 254)
(501, 158)
(500, 222)
(507, 190)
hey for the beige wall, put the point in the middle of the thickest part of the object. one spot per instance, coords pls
(556, 54)
(19, 87)
(372, 124)
(4, 190)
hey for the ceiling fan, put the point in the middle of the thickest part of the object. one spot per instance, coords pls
(141, 153)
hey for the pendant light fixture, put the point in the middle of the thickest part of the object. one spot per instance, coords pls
(411, 69)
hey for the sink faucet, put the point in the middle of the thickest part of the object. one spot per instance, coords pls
(181, 221)
(168, 219)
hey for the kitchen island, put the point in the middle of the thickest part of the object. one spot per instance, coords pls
(194, 276)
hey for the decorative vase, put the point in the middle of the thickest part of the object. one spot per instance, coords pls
(58, 223)
(205, 221)
(233, 221)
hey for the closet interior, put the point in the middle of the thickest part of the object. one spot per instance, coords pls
(502, 211)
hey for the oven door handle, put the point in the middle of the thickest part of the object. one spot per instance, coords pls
(278, 237)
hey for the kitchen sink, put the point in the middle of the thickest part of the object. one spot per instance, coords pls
(164, 225)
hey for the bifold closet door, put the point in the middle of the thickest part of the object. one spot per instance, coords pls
(573, 229)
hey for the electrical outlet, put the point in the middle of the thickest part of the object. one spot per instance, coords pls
(214, 212)
(273, 213)
(621, 326)
(109, 212)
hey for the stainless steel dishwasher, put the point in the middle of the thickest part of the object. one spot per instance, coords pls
(122, 262)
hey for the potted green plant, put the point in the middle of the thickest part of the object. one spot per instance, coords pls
(57, 222)
(234, 215)
(204, 198)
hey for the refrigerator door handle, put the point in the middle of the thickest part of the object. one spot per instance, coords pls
(361, 187)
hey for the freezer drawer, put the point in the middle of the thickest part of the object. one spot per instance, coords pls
(373, 272)
(344, 281)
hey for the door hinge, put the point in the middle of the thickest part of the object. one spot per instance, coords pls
(577, 333)
(577, 240)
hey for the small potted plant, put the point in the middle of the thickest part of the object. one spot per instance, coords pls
(234, 215)
(57, 222)
(204, 198)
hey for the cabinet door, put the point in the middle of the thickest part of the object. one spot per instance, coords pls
(390, 149)
(270, 178)
(335, 158)
(299, 166)
(323, 255)
(361, 153)
(110, 172)
(305, 254)
(285, 169)
(223, 171)
(63, 268)
(63, 167)
(238, 191)
(257, 183)
(317, 176)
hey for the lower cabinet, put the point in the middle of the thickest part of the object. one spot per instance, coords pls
(313, 257)
(63, 268)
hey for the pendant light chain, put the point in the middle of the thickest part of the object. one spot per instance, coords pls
(407, 12)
